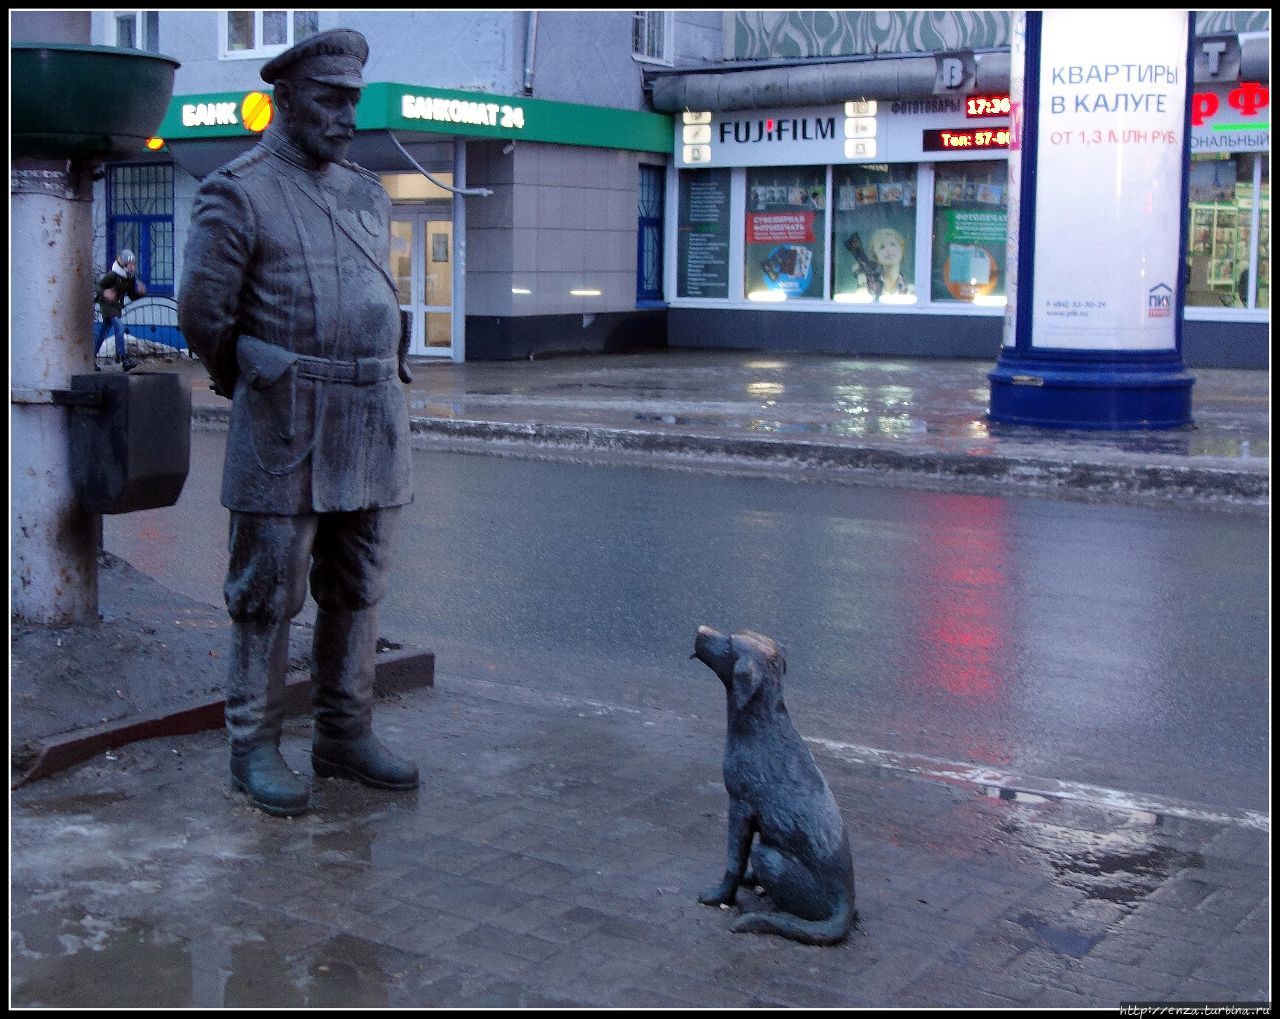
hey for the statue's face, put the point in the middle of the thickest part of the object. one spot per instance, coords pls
(320, 119)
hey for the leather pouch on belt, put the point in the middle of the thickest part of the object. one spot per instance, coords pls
(268, 371)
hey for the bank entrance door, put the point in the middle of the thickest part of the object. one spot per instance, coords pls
(422, 266)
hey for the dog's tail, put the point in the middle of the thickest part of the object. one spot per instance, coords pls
(830, 931)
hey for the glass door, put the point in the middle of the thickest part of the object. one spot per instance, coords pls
(422, 266)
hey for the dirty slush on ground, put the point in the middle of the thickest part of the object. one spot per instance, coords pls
(168, 656)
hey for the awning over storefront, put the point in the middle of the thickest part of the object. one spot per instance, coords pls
(762, 86)
(200, 158)
(829, 82)
(372, 149)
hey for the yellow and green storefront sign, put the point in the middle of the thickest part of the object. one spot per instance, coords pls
(389, 106)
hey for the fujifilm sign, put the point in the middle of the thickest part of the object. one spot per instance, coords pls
(784, 137)
(771, 130)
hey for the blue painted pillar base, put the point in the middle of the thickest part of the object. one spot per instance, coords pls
(1114, 396)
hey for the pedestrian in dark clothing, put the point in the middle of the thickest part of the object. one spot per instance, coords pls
(120, 282)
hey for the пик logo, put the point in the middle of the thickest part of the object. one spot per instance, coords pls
(1159, 301)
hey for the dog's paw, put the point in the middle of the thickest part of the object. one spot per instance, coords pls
(718, 896)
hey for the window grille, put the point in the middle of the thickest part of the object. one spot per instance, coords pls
(651, 35)
(649, 234)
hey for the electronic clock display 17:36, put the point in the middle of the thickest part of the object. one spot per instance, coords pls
(987, 106)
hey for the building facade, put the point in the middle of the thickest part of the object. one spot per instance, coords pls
(525, 166)
(828, 181)
(841, 186)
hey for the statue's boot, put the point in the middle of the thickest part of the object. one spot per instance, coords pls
(269, 782)
(254, 712)
(342, 666)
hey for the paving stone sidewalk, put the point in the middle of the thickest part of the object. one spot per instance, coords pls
(554, 855)
(553, 858)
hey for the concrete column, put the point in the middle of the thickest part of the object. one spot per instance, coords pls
(54, 543)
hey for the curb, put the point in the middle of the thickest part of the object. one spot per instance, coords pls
(1026, 475)
(397, 671)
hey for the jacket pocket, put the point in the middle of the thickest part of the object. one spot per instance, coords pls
(268, 371)
(262, 364)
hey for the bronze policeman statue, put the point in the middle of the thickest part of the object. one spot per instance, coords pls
(287, 300)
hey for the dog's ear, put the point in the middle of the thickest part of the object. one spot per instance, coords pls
(747, 678)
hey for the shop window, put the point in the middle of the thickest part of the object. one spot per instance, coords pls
(785, 242)
(265, 33)
(139, 207)
(873, 226)
(413, 187)
(138, 30)
(970, 231)
(1221, 192)
(651, 34)
(649, 235)
(702, 247)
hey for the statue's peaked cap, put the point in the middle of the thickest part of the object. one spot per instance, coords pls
(335, 57)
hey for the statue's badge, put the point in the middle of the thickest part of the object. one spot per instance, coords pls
(369, 220)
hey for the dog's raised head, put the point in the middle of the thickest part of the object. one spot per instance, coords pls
(746, 662)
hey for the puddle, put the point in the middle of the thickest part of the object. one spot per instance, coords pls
(91, 963)
(1061, 939)
(433, 409)
(344, 972)
(93, 967)
(1122, 866)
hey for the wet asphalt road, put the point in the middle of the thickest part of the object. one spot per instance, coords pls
(1121, 647)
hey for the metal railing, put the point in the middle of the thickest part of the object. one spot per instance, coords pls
(151, 329)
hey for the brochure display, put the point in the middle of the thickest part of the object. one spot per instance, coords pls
(702, 268)
(970, 224)
(784, 234)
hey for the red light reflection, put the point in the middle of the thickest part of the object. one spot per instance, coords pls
(962, 599)
(154, 551)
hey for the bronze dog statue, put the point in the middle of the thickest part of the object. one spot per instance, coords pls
(802, 859)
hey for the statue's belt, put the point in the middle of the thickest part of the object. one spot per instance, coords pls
(363, 371)
(273, 371)
(264, 363)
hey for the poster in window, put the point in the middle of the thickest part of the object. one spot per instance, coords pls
(1212, 180)
(873, 226)
(784, 244)
(970, 231)
(702, 255)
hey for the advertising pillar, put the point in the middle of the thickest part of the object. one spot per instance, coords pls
(1097, 222)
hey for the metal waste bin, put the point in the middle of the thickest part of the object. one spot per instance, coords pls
(130, 440)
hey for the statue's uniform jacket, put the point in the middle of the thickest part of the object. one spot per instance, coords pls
(283, 260)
